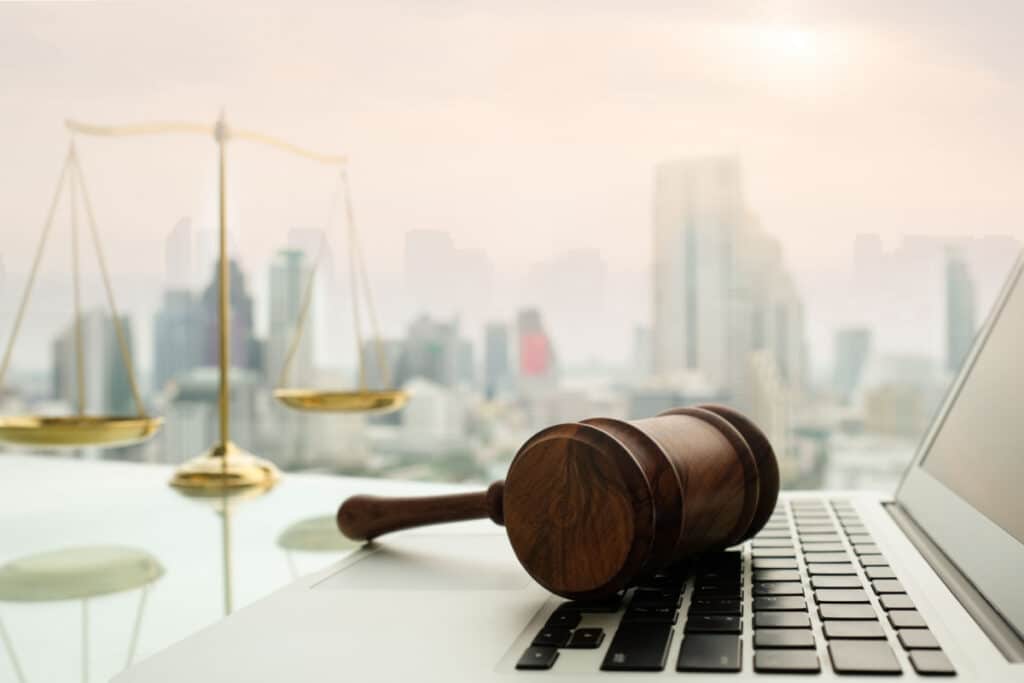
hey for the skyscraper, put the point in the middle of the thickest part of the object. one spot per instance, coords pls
(289, 275)
(853, 345)
(434, 350)
(537, 363)
(179, 256)
(177, 336)
(698, 213)
(961, 321)
(246, 351)
(107, 386)
(496, 359)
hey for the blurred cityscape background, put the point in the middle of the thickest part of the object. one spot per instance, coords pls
(798, 213)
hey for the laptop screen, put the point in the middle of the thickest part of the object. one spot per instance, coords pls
(978, 449)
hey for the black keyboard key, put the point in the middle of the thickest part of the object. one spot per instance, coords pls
(779, 604)
(717, 587)
(537, 658)
(651, 615)
(786, 661)
(906, 618)
(835, 582)
(917, 639)
(709, 652)
(884, 586)
(857, 630)
(719, 593)
(879, 573)
(826, 558)
(586, 639)
(898, 601)
(863, 657)
(715, 606)
(816, 569)
(778, 588)
(931, 663)
(712, 623)
(767, 575)
(847, 612)
(638, 647)
(781, 620)
(872, 561)
(564, 617)
(552, 636)
(772, 563)
(656, 597)
(788, 638)
(841, 595)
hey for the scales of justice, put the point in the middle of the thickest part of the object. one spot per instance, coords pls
(224, 466)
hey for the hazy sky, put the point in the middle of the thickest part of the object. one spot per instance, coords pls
(520, 128)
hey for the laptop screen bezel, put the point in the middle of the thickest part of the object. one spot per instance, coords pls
(982, 550)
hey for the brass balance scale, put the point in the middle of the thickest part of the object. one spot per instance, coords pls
(224, 466)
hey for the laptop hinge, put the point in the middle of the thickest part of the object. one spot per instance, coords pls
(1002, 635)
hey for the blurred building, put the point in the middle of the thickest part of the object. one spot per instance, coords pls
(106, 379)
(179, 256)
(246, 350)
(434, 350)
(641, 356)
(287, 279)
(852, 349)
(961, 315)
(497, 372)
(177, 336)
(537, 365)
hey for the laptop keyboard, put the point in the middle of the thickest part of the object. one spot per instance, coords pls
(813, 563)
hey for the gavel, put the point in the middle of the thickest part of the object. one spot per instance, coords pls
(593, 507)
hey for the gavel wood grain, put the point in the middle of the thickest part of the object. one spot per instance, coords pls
(593, 506)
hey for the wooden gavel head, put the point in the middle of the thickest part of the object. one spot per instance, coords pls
(591, 507)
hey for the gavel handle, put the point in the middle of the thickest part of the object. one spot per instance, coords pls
(362, 518)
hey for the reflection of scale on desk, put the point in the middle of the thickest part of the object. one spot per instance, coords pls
(224, 465)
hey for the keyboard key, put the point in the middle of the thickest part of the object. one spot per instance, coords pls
(862, 539)
(873, 561)
(720, 593)
(816, 569)
(715, 606)
(786, 661)
(781, 620)
(709, 652)
(783, 638)
(931, 663)
(586, 639)
(865, 549)
(835, 582)
(778, 588)
(537, 658)
(842, 595)
(779, 604)
(773, 534)
(815, 527)
(879, 573)
(859, 630)
(787, 553)
(863, 657)
(906, 618)
(771, 563)
(650, 615)
(552, 636)
(609, 605)
(820, 538)
(656, 596)
(772, 543)
(847, 612)
(564, 617)
(819, 547)
(854, 529)
(718, 586)
(826, 558)
(712, 623)
(917, 639)
(767, 575)
(883, 586)
(898, 601)
(638, 647)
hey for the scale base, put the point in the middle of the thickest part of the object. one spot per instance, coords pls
(225, 467)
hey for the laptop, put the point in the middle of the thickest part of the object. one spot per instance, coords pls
(836, 586)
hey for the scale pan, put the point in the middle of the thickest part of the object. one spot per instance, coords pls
(325, 401)
(75, 431)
